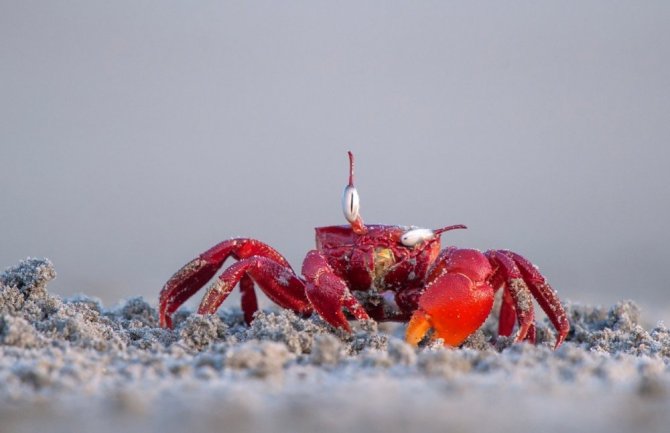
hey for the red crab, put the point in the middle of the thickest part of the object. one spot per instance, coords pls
(380, 272)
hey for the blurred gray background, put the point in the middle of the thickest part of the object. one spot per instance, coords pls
(134, 135)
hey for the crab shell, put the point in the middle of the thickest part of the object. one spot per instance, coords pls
(376, 260)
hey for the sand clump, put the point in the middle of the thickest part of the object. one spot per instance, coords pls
(61, 358)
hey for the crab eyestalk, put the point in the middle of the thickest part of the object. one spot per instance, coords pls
(447, 228)
(351, 201)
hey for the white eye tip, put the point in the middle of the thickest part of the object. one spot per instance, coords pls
(350, 203)
(416, 236)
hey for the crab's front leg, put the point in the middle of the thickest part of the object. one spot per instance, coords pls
(457, 298)
(328, 293)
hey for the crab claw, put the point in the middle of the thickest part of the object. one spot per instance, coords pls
(456, 302)
(329, 293)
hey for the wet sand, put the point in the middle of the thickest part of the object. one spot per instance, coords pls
(73, 365)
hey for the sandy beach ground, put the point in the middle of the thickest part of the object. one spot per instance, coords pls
(73, 365)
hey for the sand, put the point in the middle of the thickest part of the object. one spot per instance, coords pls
(73, 365)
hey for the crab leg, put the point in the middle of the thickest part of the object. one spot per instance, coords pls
(507, 315)
(456, 301)
(195, 274)
(248, 301)
(516, 289)
(328, 292)
(545, 295)
(277, 281)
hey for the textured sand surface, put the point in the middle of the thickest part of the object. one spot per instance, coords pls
(72, 365)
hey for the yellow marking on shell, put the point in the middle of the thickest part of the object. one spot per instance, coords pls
(383, 260)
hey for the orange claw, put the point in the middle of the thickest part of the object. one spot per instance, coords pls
(454, 306)
(417, 327)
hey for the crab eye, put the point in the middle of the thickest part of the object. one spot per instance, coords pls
(416, 236)
(350, 203)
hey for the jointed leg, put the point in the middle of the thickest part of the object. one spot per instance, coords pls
(507, 316)
(195, 274)
(546, 296)
(518, 269)
(183, 284)
(519, 294)
(278, 282)
(249, 302)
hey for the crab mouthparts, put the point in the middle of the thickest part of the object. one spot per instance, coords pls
(447, 228)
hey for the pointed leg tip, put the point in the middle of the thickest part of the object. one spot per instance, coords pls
(248, 318)
(165, 321)
(559, 340)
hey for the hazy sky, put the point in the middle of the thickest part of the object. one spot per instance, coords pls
(134, 135)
